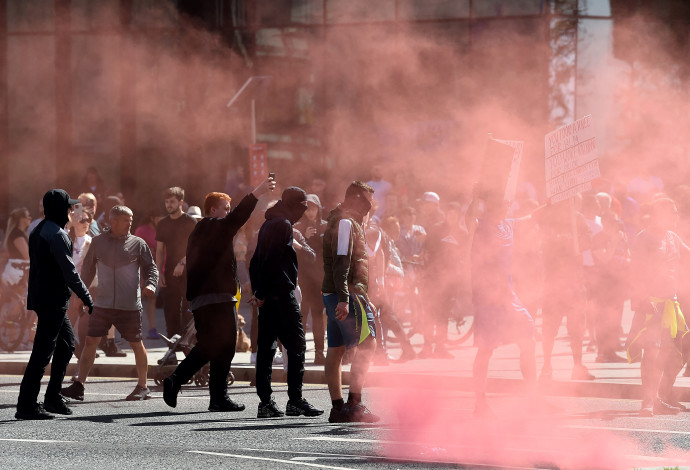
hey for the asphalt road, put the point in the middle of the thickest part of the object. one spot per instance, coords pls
(420, 429)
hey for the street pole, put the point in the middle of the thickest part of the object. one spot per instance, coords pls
(253, 120)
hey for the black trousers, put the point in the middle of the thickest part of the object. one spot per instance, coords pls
(216, 338)
(312, 301)
(174, 305)
(280, 319)
(54, 339)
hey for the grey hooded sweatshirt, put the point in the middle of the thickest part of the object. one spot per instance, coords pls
(121, 263)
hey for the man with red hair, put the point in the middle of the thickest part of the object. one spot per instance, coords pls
(213, 293)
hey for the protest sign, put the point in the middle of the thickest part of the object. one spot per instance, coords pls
(258, 164)
(500, 167)
(571, 159)
(511, 185)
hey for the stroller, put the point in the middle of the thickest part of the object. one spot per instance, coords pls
(183, 343)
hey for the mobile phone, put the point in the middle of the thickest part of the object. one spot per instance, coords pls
(78, 212)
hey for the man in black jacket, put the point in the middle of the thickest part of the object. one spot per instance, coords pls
(273, 273)
(52, 278)
(213, 293)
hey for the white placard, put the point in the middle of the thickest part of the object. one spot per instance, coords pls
(511, 186)
(571, 160)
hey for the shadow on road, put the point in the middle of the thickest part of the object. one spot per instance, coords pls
(111, 418)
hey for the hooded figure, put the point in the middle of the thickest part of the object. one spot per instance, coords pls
(52, 275)
(52, 278)
(273, 268)
(273, 274)
(292, 205)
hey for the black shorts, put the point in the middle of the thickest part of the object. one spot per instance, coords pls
(127, 322)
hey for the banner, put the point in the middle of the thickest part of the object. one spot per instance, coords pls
(571, 159)
(511, 186)
(258, 164)
(500, 167)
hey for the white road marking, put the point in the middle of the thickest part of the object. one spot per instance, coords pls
(379, 457)
(606, 428)
(267, 459)
(325, 454)
(40, 441)
(345, 439)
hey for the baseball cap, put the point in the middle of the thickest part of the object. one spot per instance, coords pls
(59, 195)
(314, 199)
(431, 196)
(194, 211)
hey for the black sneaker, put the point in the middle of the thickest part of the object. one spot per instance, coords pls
(170, 390)
(225, 404)
(57, 405)
(37, 412)
(361, 414)
(301, 407)
(269, 410)
(339, 415)
(139, 393)
(75, 391)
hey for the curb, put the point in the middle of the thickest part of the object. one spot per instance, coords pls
(246, 373)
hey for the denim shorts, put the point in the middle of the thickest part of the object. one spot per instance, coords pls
(355, 328)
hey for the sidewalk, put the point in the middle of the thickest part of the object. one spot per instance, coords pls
(619, 380)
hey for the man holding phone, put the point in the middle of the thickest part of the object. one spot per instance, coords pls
(213, 293)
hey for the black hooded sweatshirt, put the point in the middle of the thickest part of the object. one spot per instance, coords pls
(273, 268)
(52, 275)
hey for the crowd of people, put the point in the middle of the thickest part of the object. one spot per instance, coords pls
(383, 263)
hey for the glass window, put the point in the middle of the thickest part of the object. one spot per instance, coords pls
(307, 11)
(490, 8)
(285, 12)
(87, 14)
(433, 9)
(31, 116)
(359, 11)
(154, 13)
(595, 7)
(30, 15)
(95, 93)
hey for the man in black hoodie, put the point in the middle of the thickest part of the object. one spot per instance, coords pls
(213, 294)
(273, 274)
(52, 278)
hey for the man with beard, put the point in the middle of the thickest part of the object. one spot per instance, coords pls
(52, 278)
(273, 273)
(349, 310)
(172, 233)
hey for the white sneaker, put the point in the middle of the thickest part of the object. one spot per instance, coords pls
(252, 358)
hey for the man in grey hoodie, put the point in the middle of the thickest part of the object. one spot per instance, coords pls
(121, 259)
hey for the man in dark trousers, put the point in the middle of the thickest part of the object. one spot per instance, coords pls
(172, 233)
(52, 278)
(213, 293)
(273, 273)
